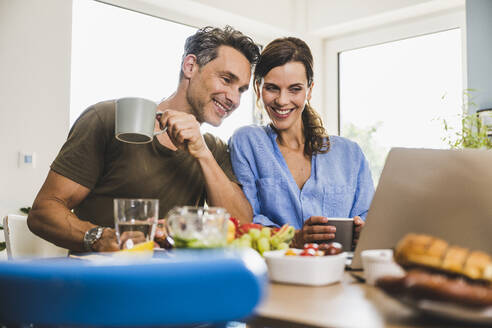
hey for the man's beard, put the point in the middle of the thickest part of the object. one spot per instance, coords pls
(197, 107)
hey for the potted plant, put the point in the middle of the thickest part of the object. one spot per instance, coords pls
(473, 131)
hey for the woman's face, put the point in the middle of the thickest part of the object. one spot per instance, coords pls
(284, 92)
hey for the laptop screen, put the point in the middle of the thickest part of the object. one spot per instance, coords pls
(444, 193)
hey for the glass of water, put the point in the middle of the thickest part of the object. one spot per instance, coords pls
(135, 221)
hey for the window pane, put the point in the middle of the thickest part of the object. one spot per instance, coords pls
(398, 93)
(121, 53)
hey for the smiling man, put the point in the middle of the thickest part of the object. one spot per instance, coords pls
(180, 167)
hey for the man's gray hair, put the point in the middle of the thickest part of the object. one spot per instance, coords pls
(205, 42)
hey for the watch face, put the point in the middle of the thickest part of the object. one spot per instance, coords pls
(91, 236)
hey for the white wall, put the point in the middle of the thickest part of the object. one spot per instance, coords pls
(34, 88)
(324, 13)
(279, 13)
(479, 49)
(202, 13)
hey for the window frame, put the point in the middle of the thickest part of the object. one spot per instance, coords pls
(451, 19)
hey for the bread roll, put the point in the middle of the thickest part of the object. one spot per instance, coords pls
(476, 264)
(418, 250)
(454, 260)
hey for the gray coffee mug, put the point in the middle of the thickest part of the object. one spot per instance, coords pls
(135, 120)
(345, 232)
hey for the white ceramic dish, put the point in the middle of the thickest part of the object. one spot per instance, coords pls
(305, 270)
(378, 263)
(450, 311)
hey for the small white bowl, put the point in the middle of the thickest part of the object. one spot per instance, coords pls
(378, 263)
(305, 270)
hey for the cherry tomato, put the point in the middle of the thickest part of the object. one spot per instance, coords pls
(308, 252)
(244, 228)
(334, 248)
(311, 245)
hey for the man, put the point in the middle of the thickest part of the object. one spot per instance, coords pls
(180, 167)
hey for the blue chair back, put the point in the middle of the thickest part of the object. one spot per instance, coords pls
(182, 287)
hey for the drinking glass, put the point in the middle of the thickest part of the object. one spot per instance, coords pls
(135, 221)
(198, 227)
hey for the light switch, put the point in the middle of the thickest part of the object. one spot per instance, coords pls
(27, 159)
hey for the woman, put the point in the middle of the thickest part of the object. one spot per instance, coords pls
(290, 170)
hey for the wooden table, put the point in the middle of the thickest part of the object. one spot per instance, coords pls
(346, 304)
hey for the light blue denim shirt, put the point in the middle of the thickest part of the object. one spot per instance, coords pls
(340, 184)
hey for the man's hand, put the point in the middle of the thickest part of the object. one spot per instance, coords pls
(161, 235)
(184, 131)
(107, 242)
(358, 225)
(315, 230)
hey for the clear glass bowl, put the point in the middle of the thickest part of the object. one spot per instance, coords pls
(198, 227)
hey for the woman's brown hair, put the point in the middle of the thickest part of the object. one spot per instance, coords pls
(278, 53)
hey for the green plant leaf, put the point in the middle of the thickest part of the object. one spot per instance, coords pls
(25, 210)
(473, 133)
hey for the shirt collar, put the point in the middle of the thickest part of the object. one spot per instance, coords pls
(271, 132)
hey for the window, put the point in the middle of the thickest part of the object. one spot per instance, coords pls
(121, 53)
(397, 94)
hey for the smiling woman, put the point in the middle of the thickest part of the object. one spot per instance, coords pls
(284, 100)
(291, 171)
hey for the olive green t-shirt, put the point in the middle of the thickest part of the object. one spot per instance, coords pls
(94, 158)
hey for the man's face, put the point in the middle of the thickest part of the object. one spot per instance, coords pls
(215, 89)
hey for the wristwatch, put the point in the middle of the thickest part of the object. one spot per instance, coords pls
(91, 236)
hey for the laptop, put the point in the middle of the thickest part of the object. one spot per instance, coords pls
(444, 193)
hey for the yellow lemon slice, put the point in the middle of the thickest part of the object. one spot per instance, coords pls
(147, 246)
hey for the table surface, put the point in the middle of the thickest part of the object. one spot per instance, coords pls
(350, 303)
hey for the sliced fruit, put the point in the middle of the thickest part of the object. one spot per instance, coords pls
(147, 246)
(231, 231)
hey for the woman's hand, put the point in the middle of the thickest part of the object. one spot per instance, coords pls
(314, 230)
(358, 225)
